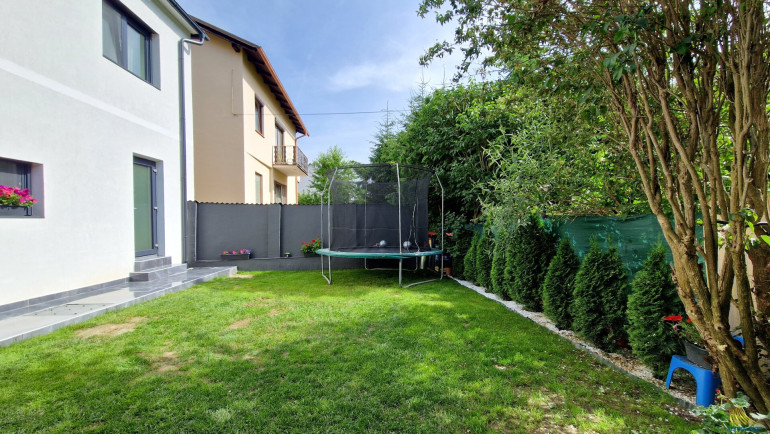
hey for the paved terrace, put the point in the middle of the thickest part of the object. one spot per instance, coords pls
(24, 320)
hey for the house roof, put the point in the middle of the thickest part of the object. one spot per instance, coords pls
(257, 57)
(173, 7)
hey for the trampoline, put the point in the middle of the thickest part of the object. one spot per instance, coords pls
(379, 211)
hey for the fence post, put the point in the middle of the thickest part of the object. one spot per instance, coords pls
(191, 233)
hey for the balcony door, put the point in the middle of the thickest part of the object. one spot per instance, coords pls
(145, 207)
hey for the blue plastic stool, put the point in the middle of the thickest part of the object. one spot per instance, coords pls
(705, 380)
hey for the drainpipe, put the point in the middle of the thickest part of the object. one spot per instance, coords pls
(202, 37)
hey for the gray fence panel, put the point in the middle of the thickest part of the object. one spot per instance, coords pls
(231, 226)
(299, 223)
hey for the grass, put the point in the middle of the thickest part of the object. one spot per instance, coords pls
(284, 351)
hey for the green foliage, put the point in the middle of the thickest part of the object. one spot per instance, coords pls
(535, 247)
(509, 273)
(512, 148)
(496, 275)
(469, 261)
(731, 416)
(653, 296)
(599, 301)
(484, 257)
(458, 244)
(325, 161)
(309, 198)
(438, 133)
(559, 285)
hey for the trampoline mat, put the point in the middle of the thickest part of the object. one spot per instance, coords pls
(377, 252)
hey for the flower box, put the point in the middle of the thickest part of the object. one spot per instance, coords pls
(239, 256)
(14, 211)
(235, 255)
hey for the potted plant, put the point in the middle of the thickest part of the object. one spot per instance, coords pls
(231, 255)
(693, 342)
(15, 201)
(310, 248)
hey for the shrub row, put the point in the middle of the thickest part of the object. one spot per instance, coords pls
(528, 264)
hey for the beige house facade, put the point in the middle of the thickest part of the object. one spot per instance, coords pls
(244, 125)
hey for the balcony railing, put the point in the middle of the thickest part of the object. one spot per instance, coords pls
(291, 158)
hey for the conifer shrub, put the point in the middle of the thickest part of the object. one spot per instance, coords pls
(559, 285)
(484, 257)
(506, 285)
(599, 300)
(535, 249)
(653, 296)
(469, 261)
(496, 275)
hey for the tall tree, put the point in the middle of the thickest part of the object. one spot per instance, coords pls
(325, 161)
(688, 84)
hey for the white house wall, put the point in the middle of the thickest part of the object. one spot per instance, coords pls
(83, 118)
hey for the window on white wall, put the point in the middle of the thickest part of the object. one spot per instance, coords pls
(280, 193)
(24, 180)
(127, 42)
(259, 109)
(14, 174)
(278, 136)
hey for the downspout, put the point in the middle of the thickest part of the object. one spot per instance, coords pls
(296, 186)
(202, 37)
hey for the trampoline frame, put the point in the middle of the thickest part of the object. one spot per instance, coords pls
(401, 255)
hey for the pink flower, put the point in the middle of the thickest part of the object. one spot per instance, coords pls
(225, 252)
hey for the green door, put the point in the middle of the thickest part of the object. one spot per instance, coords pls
(145, 208)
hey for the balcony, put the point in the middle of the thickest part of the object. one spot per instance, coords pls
(290, 160)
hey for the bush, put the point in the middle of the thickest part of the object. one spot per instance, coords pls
(497, 274)
(599, 301)
(469, 261)
(508, 273)
(459, 243)
(653, 296)
(535, 249)
(560, 284)
(484, 257)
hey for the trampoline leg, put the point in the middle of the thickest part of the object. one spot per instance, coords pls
(400, 264)
(328, 279)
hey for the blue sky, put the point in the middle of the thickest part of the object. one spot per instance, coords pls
(338, 56)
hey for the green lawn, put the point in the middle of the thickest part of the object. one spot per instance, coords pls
(284, 351)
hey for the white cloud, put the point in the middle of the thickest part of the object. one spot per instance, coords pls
(398, 69)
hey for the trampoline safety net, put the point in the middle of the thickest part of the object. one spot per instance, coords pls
(377, 207)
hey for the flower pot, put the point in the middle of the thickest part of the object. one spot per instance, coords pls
(14, 211)
(697, 355)
(239, 256)
(308, 254)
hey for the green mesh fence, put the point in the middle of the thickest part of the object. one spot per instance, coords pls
(634, 237)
